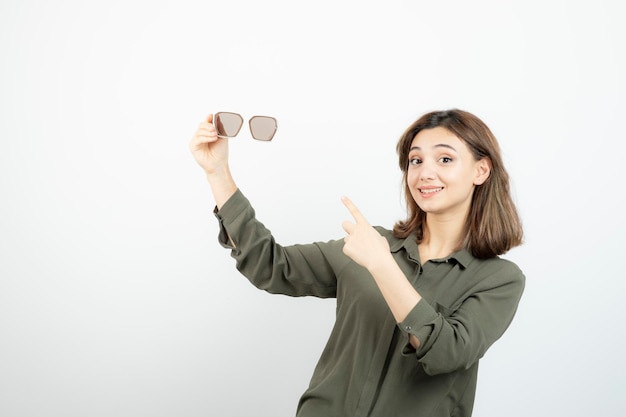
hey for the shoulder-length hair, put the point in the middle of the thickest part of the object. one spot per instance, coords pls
(493, 225)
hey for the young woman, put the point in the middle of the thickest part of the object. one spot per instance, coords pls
(417, 306)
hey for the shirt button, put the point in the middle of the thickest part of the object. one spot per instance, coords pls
(408, 328)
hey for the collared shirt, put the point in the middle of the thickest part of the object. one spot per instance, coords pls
(368, 367)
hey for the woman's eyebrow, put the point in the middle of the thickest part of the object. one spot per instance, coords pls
(439, 145)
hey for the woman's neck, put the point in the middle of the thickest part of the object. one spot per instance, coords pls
(441, 237)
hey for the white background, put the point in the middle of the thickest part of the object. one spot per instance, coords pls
(115, 297)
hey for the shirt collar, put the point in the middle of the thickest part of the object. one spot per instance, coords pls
(462, 256)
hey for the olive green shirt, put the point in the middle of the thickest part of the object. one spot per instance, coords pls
(368, 367)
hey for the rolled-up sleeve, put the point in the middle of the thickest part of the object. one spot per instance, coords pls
(456, 338)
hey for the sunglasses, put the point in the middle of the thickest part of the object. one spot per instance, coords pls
(228, 125)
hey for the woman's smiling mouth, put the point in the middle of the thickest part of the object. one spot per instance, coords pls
(429, 190)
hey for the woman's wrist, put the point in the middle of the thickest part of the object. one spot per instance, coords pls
(381, 265)
(222, 185)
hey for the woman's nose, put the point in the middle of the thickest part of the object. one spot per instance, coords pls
(427, 171)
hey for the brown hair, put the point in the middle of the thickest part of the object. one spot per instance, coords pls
(493, 225)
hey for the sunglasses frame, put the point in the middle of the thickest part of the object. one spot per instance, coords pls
(250, 121)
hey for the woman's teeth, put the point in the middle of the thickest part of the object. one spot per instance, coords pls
(431, 190)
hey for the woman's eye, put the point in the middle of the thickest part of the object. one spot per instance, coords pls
(414, 161)
(446, 160)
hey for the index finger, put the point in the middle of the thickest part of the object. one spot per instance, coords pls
(356, 213)
(206, 123)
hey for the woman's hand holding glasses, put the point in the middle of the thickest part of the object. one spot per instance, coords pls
(211, 153)
(208, 148)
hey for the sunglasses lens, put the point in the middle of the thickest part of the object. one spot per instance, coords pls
(263, 127)
(227, 124)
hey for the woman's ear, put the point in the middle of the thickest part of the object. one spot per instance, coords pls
(483, 170)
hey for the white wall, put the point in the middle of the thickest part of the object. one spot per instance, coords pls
(115, 298)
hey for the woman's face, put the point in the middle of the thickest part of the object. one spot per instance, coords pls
(442, 172)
